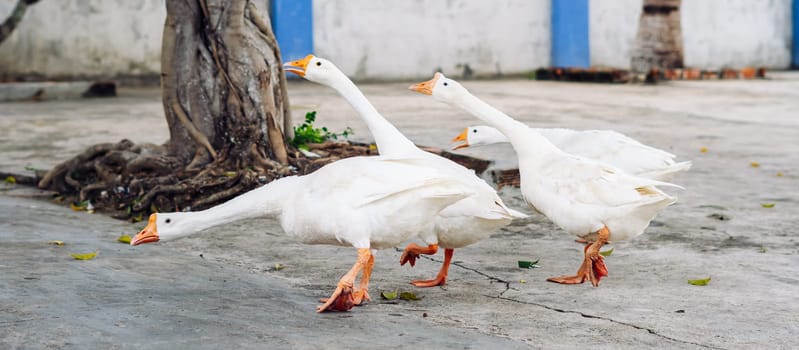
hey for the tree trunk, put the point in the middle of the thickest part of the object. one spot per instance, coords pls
(222, 83)
(658, 44)
(225, 102)
(8, 26)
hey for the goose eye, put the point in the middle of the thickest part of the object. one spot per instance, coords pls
(168, 221)
(474, 131)
(318, 64)
(445, 83)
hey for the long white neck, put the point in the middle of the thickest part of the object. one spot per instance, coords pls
(267, 200)
(527, 143)
(389, 140)
(492, 135)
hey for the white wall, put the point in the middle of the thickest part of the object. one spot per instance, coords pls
(392, 39)
(383, 39)
(612, 27)
(716, 33)
(737, 33)
(98, 38)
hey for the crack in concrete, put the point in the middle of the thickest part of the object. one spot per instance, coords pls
(481, 273)
(458, 264)
(649, 330)
(552, 308)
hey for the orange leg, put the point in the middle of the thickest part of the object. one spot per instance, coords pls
(441, 278)
(342, 298)
(593, 267)
(361, 294)
(412, 251)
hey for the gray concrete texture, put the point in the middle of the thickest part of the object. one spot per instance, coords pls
(220, 289)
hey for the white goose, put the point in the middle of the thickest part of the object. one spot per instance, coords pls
(364, 202)
(605, 146)
(464, 222)
(592, 200)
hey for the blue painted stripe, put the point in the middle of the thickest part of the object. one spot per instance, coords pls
(796, 33)
(292, 22)
(570, 34)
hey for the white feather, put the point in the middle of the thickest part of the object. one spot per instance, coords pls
(606, 146)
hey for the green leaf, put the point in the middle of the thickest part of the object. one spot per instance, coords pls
(230, 173)
(306, 133)
(278, 267)
(763, 249)
(528, 264)
(79, 206)
(767, 205)
(56, 242)
(389, 295)
(31, 168)
(409, 296)
(124, 239)
(10, 180)
(86, 256)
(702, 282)
(606, 253)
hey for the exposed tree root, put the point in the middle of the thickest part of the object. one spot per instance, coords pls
(130, 181)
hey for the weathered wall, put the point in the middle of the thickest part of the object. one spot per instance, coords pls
(386, 39)
(716, 33)
(612, 27)
(76, 38)
(737, 33)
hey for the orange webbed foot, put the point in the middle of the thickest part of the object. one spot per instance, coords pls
(412, 252)
(438, 281)
(408, 257)
(599, 268)
(341, 300)
(360, 296)
(580, 277)
(441, 278)
(576, 279)
(592, 269)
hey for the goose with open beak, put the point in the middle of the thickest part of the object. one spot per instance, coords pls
(464, 222)
(363, 202)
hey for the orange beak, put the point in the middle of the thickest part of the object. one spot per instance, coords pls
(425, 87)
(464, 142)
(298, 67)
(148, 234)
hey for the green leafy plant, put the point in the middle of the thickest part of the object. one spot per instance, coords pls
(306, 133)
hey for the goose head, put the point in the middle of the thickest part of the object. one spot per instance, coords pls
(441, 88)
(163, 227)
(315, 69)
(477, 136)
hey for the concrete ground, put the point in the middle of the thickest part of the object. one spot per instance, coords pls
(222, 290)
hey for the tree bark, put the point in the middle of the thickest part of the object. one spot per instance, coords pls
(226, 106)
(14, 18)
(222, 83)
(658, 43)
